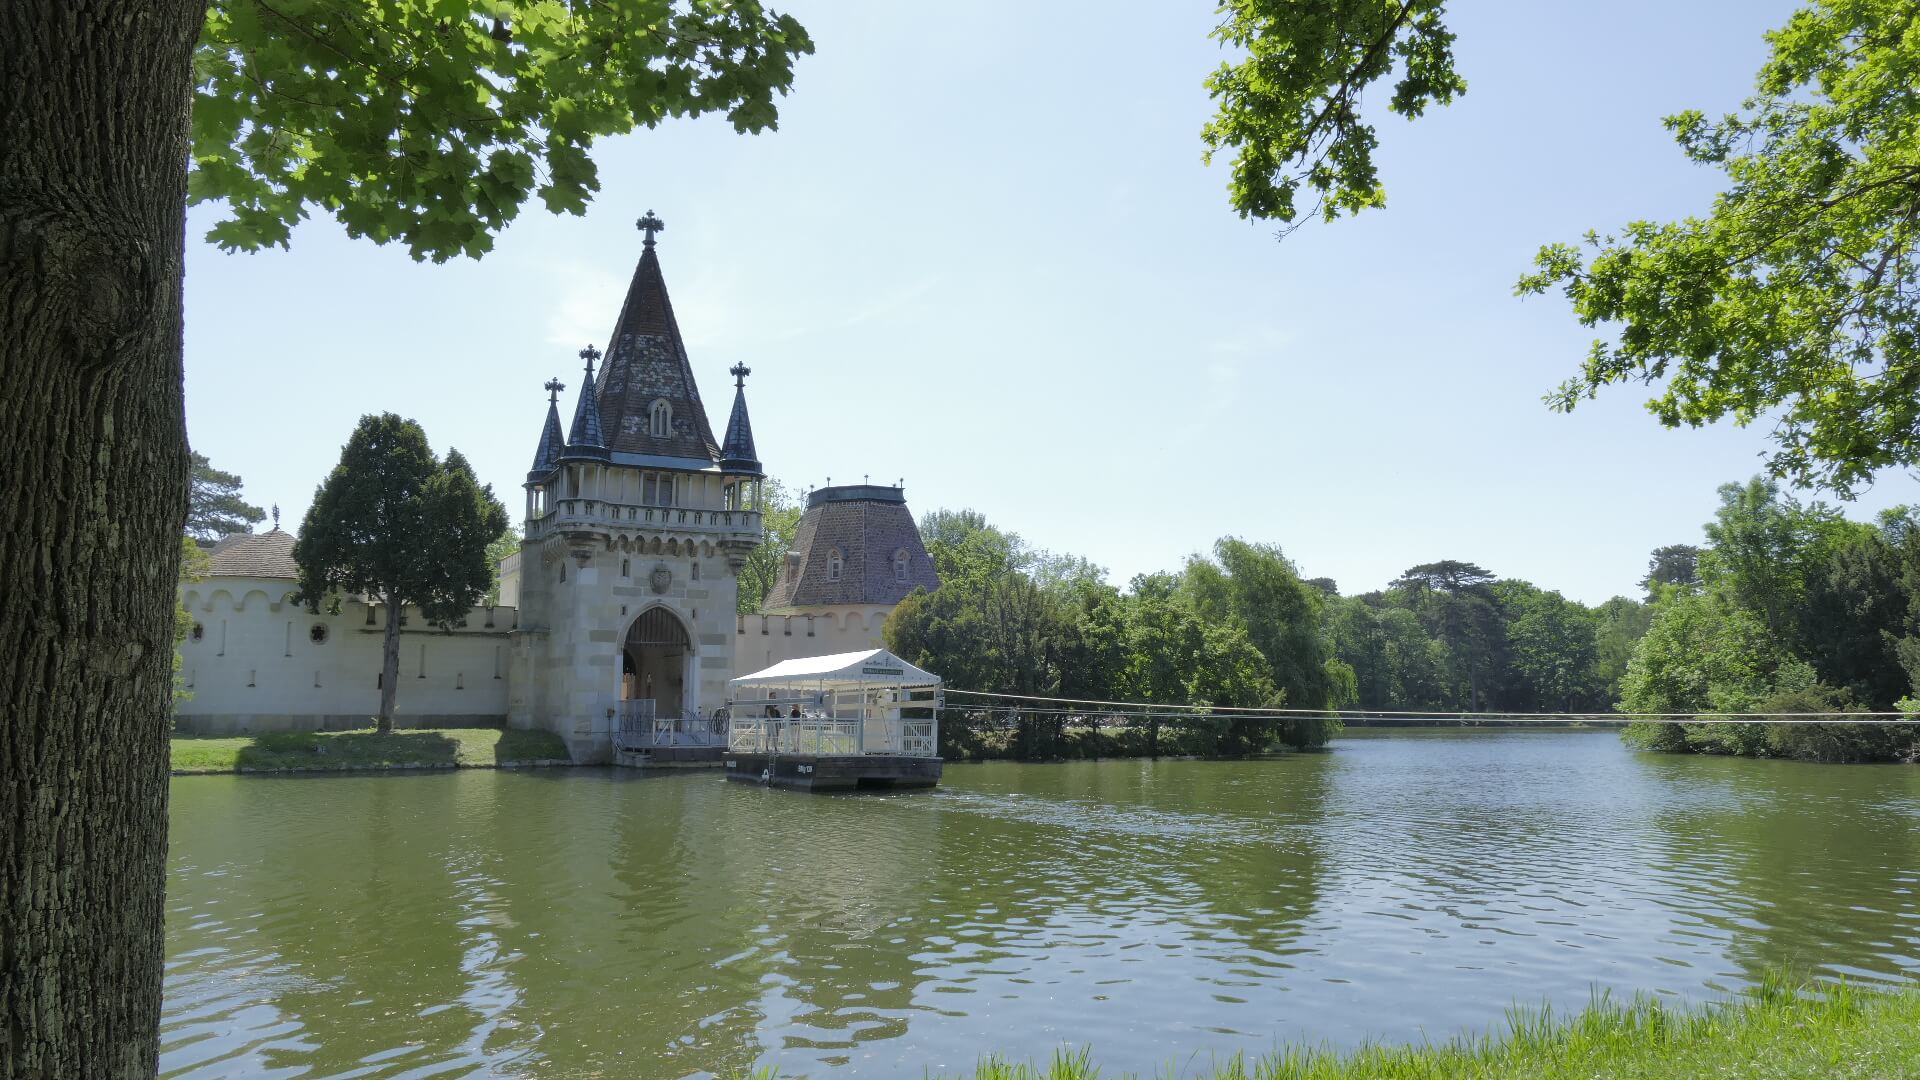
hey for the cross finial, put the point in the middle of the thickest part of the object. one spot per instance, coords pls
(553, 388)
(650, 225)
(589, 354)
(740, 373)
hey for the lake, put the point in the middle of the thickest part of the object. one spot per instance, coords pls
(598, 922)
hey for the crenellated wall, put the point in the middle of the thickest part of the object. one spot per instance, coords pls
(259, 662)
(761, 641)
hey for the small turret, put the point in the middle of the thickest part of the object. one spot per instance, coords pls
(736, 452)
(584, 439)
(547, 454)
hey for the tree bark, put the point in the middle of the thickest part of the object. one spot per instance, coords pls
(93, 148)
(390, 663)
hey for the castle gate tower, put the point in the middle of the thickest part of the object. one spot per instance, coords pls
(637, 522)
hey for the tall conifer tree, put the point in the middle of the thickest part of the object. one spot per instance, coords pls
(214, 505)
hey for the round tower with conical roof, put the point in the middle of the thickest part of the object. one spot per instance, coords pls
(856, 554)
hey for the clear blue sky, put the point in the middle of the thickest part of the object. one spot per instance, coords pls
(982, 254)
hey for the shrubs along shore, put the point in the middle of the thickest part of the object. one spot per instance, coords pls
(1827, 1031)
(331, 751)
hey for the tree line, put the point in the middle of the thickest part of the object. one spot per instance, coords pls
(1239, 628)
(1788, 608)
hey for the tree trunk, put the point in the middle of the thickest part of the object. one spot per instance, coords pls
(390, 664)
(93, 147)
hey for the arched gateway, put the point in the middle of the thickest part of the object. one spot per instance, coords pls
(657, 660)
(614, 644)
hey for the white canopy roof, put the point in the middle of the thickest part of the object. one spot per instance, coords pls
(837, 671)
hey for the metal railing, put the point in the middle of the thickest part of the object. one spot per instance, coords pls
(827, 735)
(642, 729)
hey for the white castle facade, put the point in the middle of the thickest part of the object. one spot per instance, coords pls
(625, 588)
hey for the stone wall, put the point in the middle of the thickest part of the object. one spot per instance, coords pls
(574, 630)
(761, 641)
(260, 663)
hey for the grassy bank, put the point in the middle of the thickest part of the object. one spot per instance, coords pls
(326, 750)
(1844, 1032)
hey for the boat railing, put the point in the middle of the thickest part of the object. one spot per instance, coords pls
(818, 734)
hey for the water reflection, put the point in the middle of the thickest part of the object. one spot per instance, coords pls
(581, 921)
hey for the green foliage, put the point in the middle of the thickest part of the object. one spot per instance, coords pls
(1289, 104)
(393, 524)
(1675, 566)
(1555, 648)
(1702, 656)
(1258, 588)
(507, 543)
(779, 521)
(1619, 624)
(1797, 298)
(1765, 547)
(214, 505)
(430, 122)
(1395, 663)
(1799, 611)
(1013, 620)
(1457, 604)
(1778, 1030)
(365, 749)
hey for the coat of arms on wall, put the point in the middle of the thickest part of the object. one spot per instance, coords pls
(660, 579)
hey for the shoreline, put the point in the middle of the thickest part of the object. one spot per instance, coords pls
(1827, 1030)
(435, 766)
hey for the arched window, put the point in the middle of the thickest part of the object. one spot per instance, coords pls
(660, 419)
(900, 565)
(834, 564)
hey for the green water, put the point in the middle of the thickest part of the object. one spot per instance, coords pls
(606, 923)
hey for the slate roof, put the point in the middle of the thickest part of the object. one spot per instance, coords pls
(263, 555)
(647, 361)
(585, 438)
(867, 523)
(552, 443)
(737, 453)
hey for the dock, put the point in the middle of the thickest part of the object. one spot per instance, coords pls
(843, 722)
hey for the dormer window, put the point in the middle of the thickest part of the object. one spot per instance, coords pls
(660, 419)
(834, 564)
(900, 565)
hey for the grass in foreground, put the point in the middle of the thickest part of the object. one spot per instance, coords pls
(1829, 1031)
(363, 749)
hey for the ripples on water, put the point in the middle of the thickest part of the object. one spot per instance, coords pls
(599, 923)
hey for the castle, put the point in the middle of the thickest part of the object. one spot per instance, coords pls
(622, 597)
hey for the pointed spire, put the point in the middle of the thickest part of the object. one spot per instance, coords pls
(551, 441)
(736, 453)
(584, 438)
(647, 364)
